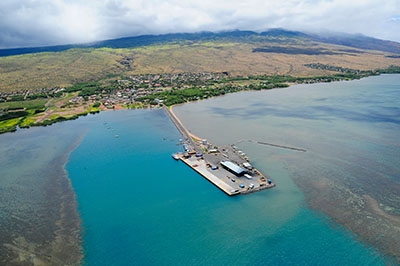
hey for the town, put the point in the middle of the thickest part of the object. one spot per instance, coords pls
(50, 105)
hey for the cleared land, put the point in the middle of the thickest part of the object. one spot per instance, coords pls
(63, 69)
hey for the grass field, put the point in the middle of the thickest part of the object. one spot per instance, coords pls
(41, 112)
(48, 70)
(29, 104)
(239, 59)
(60, 69)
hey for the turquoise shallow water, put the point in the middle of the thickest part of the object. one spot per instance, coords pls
(141, 207)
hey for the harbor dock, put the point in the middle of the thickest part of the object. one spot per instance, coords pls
(226, 167)
(200, 166)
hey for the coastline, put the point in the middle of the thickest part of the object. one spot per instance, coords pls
(60, 231)
(58, 112)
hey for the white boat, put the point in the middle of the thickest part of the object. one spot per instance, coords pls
(175, 156)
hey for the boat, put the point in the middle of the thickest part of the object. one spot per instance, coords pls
(175, 156)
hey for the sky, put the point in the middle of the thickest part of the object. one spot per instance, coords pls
(31, 23)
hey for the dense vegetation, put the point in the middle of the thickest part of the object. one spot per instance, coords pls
(177, 96)
(23, 111)
(256, 82)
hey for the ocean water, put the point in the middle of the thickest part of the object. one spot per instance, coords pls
(140, 207)
(36, 198)
(351, 133)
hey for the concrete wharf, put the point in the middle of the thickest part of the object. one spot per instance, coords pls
(200, 166)
(206, 160)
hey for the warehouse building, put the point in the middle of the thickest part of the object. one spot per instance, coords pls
(233, 168)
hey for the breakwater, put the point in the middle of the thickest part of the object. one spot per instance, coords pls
(275, 145)
(281, 146)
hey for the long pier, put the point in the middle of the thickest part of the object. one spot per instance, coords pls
(209, 164)
(177, 123)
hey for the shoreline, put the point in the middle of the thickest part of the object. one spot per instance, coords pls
(11, 125)
(171, 109)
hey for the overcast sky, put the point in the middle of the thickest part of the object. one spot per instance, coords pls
(25, 23)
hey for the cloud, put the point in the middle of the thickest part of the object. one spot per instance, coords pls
(30, 23)
(49, 22)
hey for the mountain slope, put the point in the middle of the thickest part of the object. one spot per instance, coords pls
(355, 41)
(359, 41)
(276, 52)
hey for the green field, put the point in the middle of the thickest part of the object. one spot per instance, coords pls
(40, 112)
(28, 104)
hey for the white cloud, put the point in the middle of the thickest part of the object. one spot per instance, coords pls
(45, 22)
